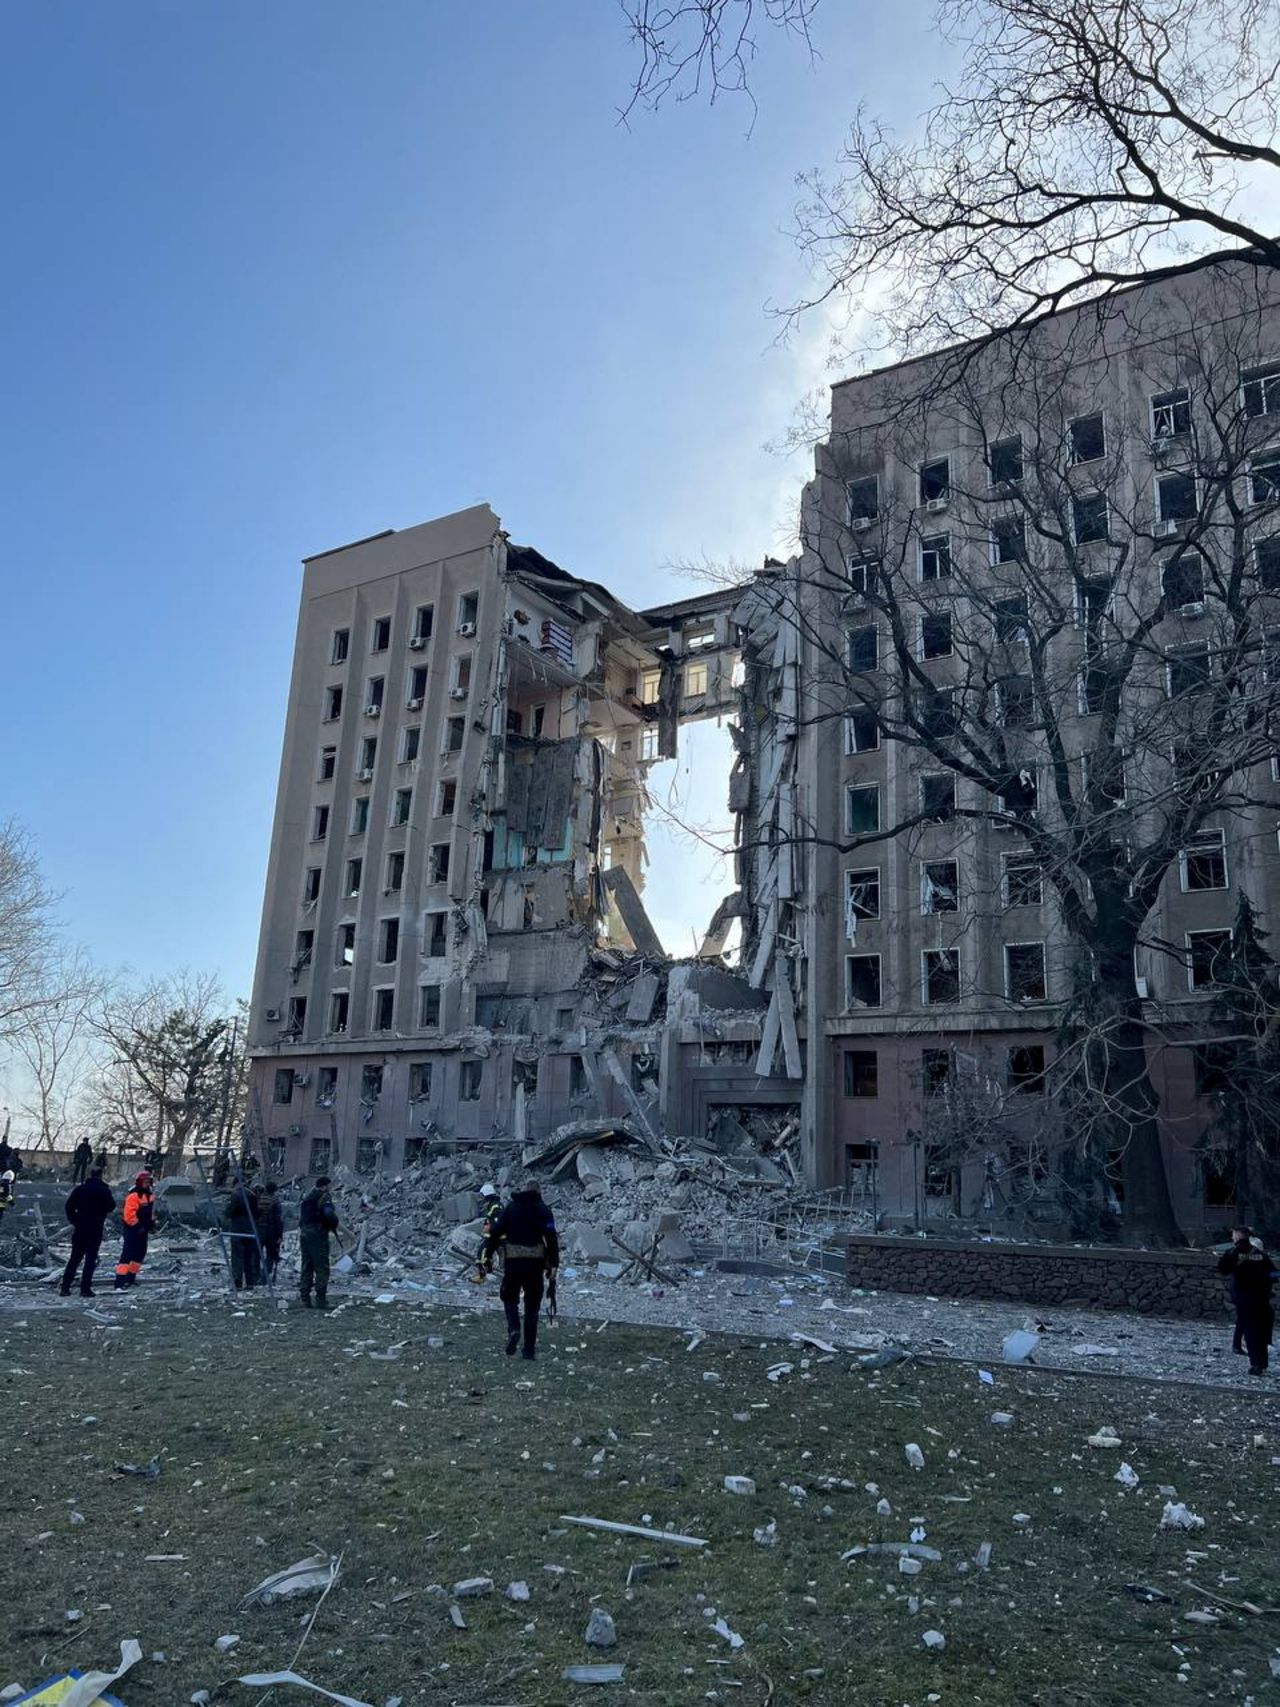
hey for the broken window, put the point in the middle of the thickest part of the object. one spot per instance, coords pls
(1004, 460)
(695, 680)
(1024, 1069)
(321, 1150)
(368, 754)
(368, 1155)
(515, 722)
(395, 872)
(539, 720)
(935, 481)
(935, 557)
(863, 568)
(275, 1155)
(341, 646)
(384, 1007)
(1024, 974)
(1183, 580)
(1011, 620)
(650, 686)
(940, 886)
(938, 795)
(1009, 540)
(332, 704)
(447, 798)
(311, 886)
(577, 1076)
(862, 650)
(402, 806)
(470, 1078)
(935, 1071)
(935, 635)
(381, 636)
(862, 892)
(1171, 414)
(435, 936)
(1187, 669)
(937, 712)
(303, 944)
(319, 823)
(346, 945)
(940, 976)
(370, 1082)
(644, 1073)
(1266, 557)
(862, 809)
(860, 1073)
(455, 728)
(283, 1092)
(1204, 861)
(388, 941)
(429, 1007)
(296, 1016)
(1212, 1064)
(360, 815)
(1020, 795)
(438, 863)
(468, 613)
(419, 1079)
(1260, 389)
(861, 732)
(1090, 517)
(1088, 438)
(862, 980)
(1208, 958)
(417, 687)
(1017, 702)
(339, 1010)
(373, 695)
(1264, 478)
(861, 1168)
(1022, 880)
(328, 763)
(423, 623)
(326, 1087)
(864, 499)
(355, 871)
(1176, 497)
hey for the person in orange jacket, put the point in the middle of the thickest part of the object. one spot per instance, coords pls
(139, 1217)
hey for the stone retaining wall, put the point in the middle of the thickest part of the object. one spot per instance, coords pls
(1154, 1283)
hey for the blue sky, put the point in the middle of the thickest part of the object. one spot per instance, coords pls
(279, 276)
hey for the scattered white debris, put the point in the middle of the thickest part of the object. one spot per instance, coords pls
(1002, 1419)
(731, 1636)
(269, 1679)
(600, 1631)
(1022, 1519)
(883, 1508)
(934, 1640)
(1127, 1476)
(778, 1370)
(766, 1535)
(471, 1588)
(517, 1591)
(1095, 1351)
(315, 1575)
(1106, 1437)
(909, 1567)
(914, 1456)
(224, 1644)
(1178, 1516)
(1019, 1345)
(982, 1558)
(636, 1529)
(739, 1485)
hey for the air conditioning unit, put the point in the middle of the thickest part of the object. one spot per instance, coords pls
(934, 505)
(414, 705)
(467, 630)
(373, 711)
(1166, 529)
(1194, 609)
(417, 642)
(301, 1081)
(1142, 988)
(457, 693)
(860, 524)
(365, 775)
(271, 1013)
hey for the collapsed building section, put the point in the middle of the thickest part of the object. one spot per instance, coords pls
(455, 944)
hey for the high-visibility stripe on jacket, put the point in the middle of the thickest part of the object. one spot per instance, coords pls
(138, 1209)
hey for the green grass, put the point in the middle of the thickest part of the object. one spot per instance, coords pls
(453, 1462)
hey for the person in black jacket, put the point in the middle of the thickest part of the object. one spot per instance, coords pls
(1249, 1268)
(525, 1233)
(270, 1228)
(317, 1218)
(87, 1209)
(81, 1158)
(242, 1224)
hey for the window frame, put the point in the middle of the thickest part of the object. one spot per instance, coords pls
(852, 749)
(855, 1075)
(850, 1005)
(928, 468)
(1007, 949)
(942, 617)
(852, 788)
(951, 954)
(942, 816)
(938, 547)
(1189, 853)
(380, 634)
(1184, 652)
(1171, 399)
(1028, 860)
(1267, 375)
(1210, 983)
(993, 479)
(859, 635)
(1098, 415)
(1078, 500)
(861, 876)
(383, 996)
(853, 515)
(928, 882)
(1265, 461)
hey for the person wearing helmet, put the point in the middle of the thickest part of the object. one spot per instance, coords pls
(525, 1233)
(139, 1218)
(7, 1193)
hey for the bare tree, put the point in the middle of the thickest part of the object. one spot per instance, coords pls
(704, 47)
(27, 934)
(56, 1049)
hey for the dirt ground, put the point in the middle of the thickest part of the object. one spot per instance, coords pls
(400, 1437)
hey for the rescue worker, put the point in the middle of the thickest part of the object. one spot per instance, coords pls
(87, 1208)
(1249, 1267)
(317, 1218)
(102, 1160)
(242, 1224)
(7, 1192)
(525, 1233)
(81, 1158)
(139, 1218)
(271, 1228)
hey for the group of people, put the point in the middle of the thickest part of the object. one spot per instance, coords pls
(254, 1221)
(1251, 1274)
(90, 1202)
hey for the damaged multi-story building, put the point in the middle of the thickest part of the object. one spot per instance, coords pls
(454, 941)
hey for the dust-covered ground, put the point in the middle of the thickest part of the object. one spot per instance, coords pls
(399, 1436)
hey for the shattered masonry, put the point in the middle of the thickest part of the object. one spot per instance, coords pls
(455, 944)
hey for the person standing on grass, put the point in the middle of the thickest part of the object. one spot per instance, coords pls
(1250, 1270)
(525, 1233)
(242, 1224)
(81, 1157)
(270, 1228)
(317, 1218)
(139, 1219)
(87, 1209)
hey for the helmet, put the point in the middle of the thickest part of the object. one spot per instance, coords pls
(144, 1178)
(8, 1176)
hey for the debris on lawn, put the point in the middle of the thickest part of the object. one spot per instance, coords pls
(914, 1456)
(471, 1588)
(1105, 1438)
(315, 1575)
(1095, 1351)
(276, 1679)
(148, 1471)
(1178, 1516)
(934, 1640)
(1019, 1345)
(600, 1631)
(1145, 1593)
(908, 1549)
(517, 1591)
(734, 1640)
(1127, 1476)
(636, 1529)
(1002, 1419)
(224, 1644)
(739, 1485)
(766, 1535)
(89, 1688)
(593, 1674)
